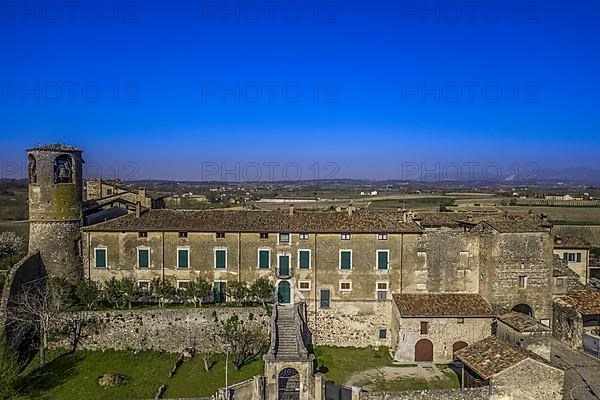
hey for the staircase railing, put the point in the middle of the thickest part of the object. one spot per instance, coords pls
(273, 345)
(300, 320)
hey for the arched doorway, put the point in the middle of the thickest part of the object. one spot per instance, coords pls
(284, 292)
(424, 351)
(289, 384)
(523, 309)
(458, 346)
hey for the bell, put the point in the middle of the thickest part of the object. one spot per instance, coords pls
(63, 173)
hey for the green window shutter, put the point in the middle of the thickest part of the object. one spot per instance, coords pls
(382, 260)
(220, 259)
(578, 257)
(284, 265)
(304, 259)
(263, 259)
(183, 258)
(144, 258)
(346, 260)
(101, 258)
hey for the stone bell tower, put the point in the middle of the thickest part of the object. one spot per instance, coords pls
(55, 208)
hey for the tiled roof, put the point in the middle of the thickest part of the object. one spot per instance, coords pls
(587, 302)
(570, 242)
(450, 219)
(516, 223)
(261, 221)
(442, 305)
(492, 356)
(54, 147)
(523, 323)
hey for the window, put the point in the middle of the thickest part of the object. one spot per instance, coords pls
(382, 236)
(345, 286)
(144, 286)
(560, 282)
(220, 292)
(383, 259)
(220, 258)
(264, 258)
(183, 234)
(109, 192)
(382, 288)
(284, 264)
(183, 285)
(100, 258)
(578, 257)
(143, 258)
(304, 236)
(143, 234)
(569, 256)
(424, 327)
(304, 259)
(304, 285)
(183, 257)
(522, 282)
(345, 236)
(382, 333)
(325, 297)
(460, 320)
(284, 238)
(220, 235)
(345, 259)
(264, 235)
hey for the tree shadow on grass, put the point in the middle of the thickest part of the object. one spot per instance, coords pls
(39, 381)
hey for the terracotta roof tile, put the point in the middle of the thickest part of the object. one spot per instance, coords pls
(523, 323)
(442, 305)
(570, 242)
(587, 302)
(492, 356)
(261, 221)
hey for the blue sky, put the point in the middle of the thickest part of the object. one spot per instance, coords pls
(197, 85)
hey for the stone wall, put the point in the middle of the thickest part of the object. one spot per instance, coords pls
(568, 325)
(170, 330)
(458, 394)
(27, 270)
(351, 323)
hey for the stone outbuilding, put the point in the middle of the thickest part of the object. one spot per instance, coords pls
(524, 331)
(511, 372)
(432, 327)
(577, 320)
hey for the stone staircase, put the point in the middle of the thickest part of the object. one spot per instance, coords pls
(287, 335)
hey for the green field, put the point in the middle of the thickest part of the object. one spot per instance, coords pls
(75, 376)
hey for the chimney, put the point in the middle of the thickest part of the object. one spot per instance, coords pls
(138, 209)
(142, 195)
(469, 218)
(350, 209)
(558, 240)
(544, 218)
(291, 210)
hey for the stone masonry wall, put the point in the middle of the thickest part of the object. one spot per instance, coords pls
(529, 380)
(458, 394)
(170, 330)
(352, 323)
(568, 325)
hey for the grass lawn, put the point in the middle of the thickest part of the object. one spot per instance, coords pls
(75, 376)
(339, 363)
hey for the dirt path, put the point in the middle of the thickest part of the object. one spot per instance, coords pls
(428, 373)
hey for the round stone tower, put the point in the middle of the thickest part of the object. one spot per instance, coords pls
(55, 208)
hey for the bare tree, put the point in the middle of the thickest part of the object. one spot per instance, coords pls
(11, 244)
(37, 309)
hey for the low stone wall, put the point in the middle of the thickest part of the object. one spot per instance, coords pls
(568, 325)
(170, 330)
(457, 394)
